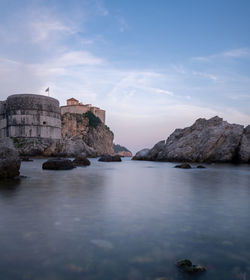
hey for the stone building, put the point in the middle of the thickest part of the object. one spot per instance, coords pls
(30, 116)
(76, 107)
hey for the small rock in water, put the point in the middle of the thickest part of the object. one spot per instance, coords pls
(184, 166)
(187, 266)
(81, 161)
(108, 158)
(58, 164)
(200, 166)
(25, 158)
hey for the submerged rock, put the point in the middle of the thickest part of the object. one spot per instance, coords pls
(9, 159)
(81, 161)
(58, 164)
(184, 166)
(200, 166)
(108, 158)
(187, 266)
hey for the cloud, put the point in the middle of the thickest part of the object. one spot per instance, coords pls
(77, 58)
(123, 24)
(234, 53)
(237, 53)
(211, 77)
(44, 28)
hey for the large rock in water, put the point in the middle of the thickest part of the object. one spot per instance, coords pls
(212, 140)
(9, 159)
(58, 164)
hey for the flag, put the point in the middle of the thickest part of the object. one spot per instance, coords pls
(47, 90)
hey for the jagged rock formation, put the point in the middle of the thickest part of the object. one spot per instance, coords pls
(122, 151)
(92, 132)
(212, 140)
(9, 159)
(244, 150)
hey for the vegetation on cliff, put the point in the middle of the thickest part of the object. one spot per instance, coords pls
(94, 121)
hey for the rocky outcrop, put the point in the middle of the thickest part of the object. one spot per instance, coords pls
(244, 150)
(74, 146)
(9, 159)
(121, 151)
(187, 266)
(101, 139)
(34, 146)
(89, 130)
(212, 140)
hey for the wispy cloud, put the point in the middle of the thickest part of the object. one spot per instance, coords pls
(209, 76)
(77, 58)
(235, 53)
(123, 24)
(44, 28)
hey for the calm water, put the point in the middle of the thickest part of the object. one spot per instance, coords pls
(129, 220)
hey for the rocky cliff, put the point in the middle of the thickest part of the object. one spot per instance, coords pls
(212, 140)
(90, 129)
(81, 133)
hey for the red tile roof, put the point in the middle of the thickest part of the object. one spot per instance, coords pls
(72, 99)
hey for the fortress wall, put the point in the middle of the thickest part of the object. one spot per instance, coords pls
(99, 113)
(3, 121)
(75, 109)
(32, 115)
(82, 109)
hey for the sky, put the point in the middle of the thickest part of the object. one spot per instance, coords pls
(154, 66)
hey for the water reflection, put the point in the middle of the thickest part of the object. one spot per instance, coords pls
(131, 220)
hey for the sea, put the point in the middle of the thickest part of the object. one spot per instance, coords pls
(128, 220)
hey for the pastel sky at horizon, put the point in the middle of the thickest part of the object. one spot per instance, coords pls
(152, 65)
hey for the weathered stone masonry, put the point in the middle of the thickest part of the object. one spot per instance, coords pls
(30, 115)
(75, 107)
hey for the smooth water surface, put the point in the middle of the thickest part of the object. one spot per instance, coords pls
(128, 220)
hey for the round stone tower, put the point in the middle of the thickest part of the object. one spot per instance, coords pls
(33, 116)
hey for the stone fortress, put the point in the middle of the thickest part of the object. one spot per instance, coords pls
(76, 107)
(38, 116)
(30, 116)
